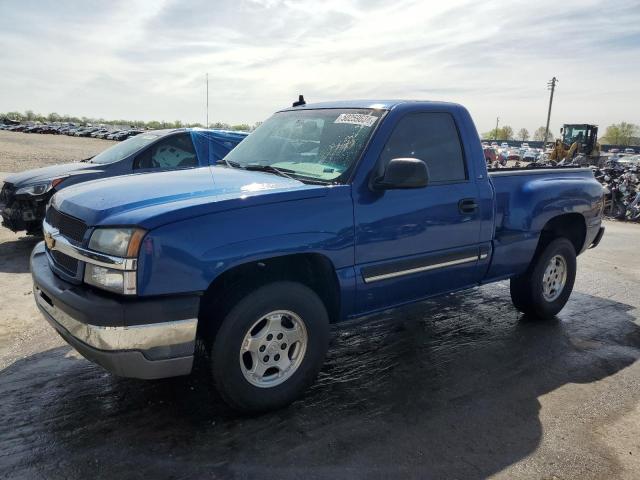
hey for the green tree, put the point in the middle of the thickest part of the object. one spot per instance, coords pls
(503, 133)
(539, 135)
(621, 133)
(242, 127)
(220, 126)
(523, 134)
(490, 135)
(15, 116)
(29, 115)
(506, 133)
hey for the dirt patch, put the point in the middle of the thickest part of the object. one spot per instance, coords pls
(23, 151)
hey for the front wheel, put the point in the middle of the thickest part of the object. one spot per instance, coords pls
(270, 347)
(544, 289)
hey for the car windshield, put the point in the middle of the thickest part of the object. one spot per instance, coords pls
(317, 145)
(124, 149)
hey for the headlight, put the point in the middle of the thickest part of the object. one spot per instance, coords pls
(121, 242)
(118, 242)
(36, 189)
(39, 188)
(118, 281)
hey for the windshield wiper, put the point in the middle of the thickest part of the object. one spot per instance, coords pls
(283, 172)
(228, 163)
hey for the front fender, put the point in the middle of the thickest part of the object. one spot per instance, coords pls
(187, 256)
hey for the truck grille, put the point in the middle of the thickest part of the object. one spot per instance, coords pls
(65, 262)
(70, 227)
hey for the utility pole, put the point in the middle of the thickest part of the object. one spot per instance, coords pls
(551, 85)
(495, 134)
(207, 124)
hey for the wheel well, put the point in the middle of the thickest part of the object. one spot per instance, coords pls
(570, 226)
(313, 270)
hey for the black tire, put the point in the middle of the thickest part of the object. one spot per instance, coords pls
(527, 289)
(230, 381)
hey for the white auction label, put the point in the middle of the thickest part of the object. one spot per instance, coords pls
(356, 119)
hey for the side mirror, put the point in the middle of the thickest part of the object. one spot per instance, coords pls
(561, 130)
(403, 173)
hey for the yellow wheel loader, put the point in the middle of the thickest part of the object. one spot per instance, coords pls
(579, 144)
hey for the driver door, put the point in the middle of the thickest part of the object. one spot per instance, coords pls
(413, 243)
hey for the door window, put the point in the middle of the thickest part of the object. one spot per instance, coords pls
(174, 151)
(432, 138)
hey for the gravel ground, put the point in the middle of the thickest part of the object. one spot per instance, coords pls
(460, 388)
(23, 151)
(463, 387)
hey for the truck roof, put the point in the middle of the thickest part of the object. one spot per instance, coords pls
(167, 131)
(375, 103)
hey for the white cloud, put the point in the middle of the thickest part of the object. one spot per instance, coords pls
(147, 59)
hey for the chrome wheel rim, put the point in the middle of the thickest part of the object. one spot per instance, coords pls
(273, 348)
(554, 278)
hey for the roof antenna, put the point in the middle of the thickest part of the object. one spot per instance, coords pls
(300, 101)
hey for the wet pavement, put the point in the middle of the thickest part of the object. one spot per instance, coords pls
(462, 387)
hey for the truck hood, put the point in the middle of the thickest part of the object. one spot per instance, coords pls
(151, 200)
(39, 175)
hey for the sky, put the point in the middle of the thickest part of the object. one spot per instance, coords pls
(147, 59)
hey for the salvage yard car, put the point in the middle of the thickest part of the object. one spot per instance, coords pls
(24, 195)
(326, 212)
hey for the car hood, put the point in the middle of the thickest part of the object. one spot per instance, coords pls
(151, 200)
(38, 175)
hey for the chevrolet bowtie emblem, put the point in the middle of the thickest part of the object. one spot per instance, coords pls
(49, 240)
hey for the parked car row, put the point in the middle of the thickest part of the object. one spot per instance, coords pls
(502, 153)
(106, 133)
(628, 151)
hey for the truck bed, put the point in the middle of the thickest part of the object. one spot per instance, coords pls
(525, 200)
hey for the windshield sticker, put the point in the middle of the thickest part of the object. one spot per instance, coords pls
(356, 119)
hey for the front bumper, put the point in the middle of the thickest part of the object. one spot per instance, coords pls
(114, 332)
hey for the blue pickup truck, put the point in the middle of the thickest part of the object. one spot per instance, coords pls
(326, 212)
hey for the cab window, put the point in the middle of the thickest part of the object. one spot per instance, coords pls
(432, 138)
(174, 151)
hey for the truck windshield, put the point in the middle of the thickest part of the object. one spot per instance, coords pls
(124, 149)
(320, 145)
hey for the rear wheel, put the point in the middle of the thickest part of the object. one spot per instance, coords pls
(270, 347)
(544, 289)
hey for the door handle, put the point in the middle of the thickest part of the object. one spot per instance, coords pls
(467, 205)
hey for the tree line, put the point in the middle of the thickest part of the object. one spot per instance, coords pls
(507, 133)
(31, 116)
(622, 133)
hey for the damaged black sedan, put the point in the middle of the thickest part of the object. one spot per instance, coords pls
(24, 196)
